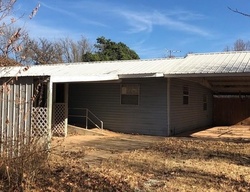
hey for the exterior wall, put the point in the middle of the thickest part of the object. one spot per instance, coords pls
(103, 99)
(15, 108)
(191, 116)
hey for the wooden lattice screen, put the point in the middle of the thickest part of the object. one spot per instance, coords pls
(59, 116)
(39, 121)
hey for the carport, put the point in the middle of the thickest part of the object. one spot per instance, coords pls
(231, 99)
(227, 75)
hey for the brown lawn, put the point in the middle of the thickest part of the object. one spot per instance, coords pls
(109, 161)
(120, 162)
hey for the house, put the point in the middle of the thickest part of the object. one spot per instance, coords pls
(154, 97)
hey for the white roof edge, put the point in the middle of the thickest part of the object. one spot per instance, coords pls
(142, 75)
(59, 79)
(207, 75)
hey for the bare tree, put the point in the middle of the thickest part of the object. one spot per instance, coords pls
(239, 45)
(73, 51)
(11, 41)
(41, 52)
(11, 37)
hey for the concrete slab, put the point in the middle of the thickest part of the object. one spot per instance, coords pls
(228, 132)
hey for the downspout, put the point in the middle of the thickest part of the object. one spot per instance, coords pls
(168, 106)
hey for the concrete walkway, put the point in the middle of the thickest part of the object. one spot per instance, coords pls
(227, 132)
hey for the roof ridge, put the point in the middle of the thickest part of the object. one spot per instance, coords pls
(114, 61)
(217, 53)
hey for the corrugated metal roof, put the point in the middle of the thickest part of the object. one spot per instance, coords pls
(213, 63)
(193, 65)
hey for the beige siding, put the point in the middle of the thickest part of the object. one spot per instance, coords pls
(191, 116)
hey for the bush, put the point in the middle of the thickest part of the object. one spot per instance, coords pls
(20, 164)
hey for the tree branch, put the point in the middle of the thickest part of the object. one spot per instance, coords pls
(239, 12)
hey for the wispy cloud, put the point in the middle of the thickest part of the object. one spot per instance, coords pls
(185, 15)
(73, 14)
(145, 21)
(56, 9)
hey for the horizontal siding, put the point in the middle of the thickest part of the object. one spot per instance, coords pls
(103, 99)
(191, 116)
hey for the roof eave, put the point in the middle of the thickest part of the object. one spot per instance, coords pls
(140, 75)
(90, 78)
(206, 75)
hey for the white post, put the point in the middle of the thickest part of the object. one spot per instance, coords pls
(86, 119)
(66, 93)
(49, 107)
(168, 106)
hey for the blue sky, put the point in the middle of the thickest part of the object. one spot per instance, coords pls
(150, 27)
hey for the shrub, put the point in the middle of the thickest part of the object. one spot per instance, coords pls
(20, 164)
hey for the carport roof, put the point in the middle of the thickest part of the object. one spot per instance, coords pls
(194, 65)
(213, 64)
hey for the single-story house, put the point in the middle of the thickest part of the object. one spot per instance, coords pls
(153, 97)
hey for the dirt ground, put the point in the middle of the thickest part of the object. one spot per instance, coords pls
(215, 159)
(103, 144)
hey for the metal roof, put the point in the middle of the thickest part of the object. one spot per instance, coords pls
(211, 64)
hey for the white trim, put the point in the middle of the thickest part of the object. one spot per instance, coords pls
(68, 79)
(140, 75)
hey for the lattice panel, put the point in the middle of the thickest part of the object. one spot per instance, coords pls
(58, 128)
(39, 121)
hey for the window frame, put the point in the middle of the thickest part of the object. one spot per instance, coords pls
(130, 94)
(185, 95)
(205, 102)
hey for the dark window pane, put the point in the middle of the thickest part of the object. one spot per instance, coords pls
(185, 100)
(129, 99)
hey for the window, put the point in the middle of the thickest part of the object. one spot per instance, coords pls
(130, 94)
(185, 95)
(204, 102)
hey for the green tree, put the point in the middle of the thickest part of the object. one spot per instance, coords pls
(107, 50)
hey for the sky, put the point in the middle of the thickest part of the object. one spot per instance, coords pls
(152, 28)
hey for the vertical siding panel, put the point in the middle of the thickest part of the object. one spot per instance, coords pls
(191, 116)
(103, 99)
(1, 118)
(15, 111)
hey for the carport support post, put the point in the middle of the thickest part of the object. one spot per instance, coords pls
(86, 118)
(50, 102)
(168, 107)
(66, 93)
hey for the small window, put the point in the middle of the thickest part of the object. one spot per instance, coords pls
(130, 94)
(204, 102)
(185, 95)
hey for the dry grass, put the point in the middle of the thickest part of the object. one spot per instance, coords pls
(175, 164)
(21, 163)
